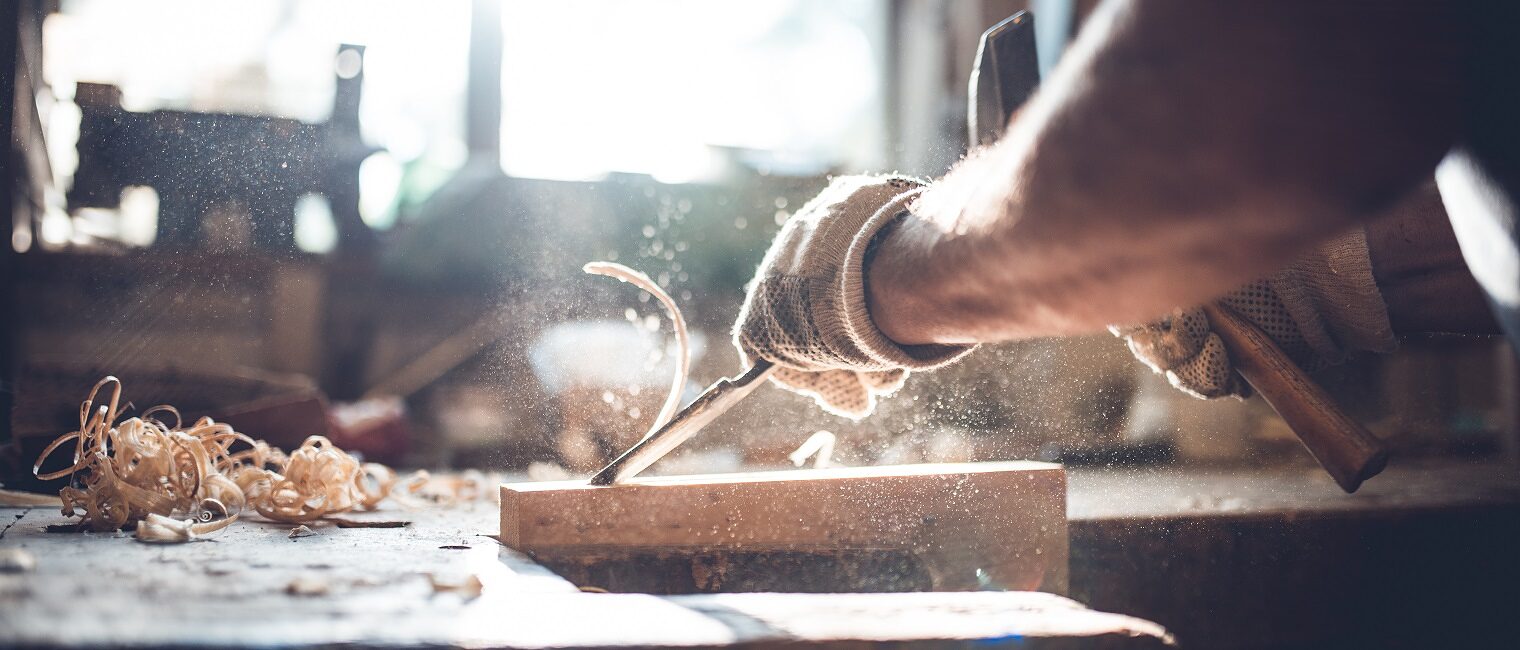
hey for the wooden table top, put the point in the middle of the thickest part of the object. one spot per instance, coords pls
(254, 585)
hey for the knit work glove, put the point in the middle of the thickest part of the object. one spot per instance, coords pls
(806, 308)
(1317, 310)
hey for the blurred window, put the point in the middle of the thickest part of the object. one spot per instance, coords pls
(671, 87)
(274, 58)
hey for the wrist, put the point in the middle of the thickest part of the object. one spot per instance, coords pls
(884, 243)
(885, 299)
(893, 279)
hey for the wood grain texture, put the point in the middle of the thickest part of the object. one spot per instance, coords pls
(970, 525)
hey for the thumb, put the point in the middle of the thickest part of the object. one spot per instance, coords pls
(840, 392)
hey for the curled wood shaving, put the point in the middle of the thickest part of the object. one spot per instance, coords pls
(467, 487)
(158, 529)
(820, 446)
(314, 481)
(123, 472)
(144, 471)
(683, 344)
(468, 588)
(308, 586)
(471, 485)
(318, 479)
(16, 560)
(375, 483)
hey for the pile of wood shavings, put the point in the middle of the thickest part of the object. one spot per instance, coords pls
(125, 471)
(316, 480)
(142, 471)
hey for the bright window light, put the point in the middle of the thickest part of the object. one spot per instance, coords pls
(667, 87)
(139, 215)
(315, 230)
(275, 58)
(379, 183)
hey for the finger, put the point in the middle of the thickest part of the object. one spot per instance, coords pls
(884, 382)
(841, 392)
(793, 379)
(1207, 374)
(1169, 342)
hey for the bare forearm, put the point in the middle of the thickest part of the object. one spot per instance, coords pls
(1177, 153)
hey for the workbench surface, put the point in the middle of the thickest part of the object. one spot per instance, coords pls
(254, 585)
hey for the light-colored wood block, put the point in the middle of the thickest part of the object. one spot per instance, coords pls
(970, 524)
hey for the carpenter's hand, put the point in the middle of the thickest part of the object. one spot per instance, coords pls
(1321, 307)
(806, 308)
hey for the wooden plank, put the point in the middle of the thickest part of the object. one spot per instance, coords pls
(710, 571)
(972, 525)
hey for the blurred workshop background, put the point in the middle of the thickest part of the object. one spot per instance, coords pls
(368, 217)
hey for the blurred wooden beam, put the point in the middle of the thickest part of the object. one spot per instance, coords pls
(483, 92)
(10, 28)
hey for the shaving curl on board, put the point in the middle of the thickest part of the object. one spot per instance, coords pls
(678, 322)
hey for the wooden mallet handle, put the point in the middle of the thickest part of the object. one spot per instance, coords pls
(1341, 445)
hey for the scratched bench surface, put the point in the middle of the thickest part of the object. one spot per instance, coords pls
(370, 587)
(254, 585)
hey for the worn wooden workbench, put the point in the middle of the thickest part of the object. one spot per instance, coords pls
(1223, 558)
(1423, 556)
(257, 586)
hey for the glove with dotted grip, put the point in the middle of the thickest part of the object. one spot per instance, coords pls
(1318, 309)
(806, 308)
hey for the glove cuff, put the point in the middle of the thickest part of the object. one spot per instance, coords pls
(1335, 301)
(855, 316)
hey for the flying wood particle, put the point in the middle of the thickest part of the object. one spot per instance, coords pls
(15, 560)
(307, 586)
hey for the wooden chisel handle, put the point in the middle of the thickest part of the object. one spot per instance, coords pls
(1341, 445)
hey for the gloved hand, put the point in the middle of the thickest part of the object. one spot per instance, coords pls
(1323, 306)
(806, 308)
